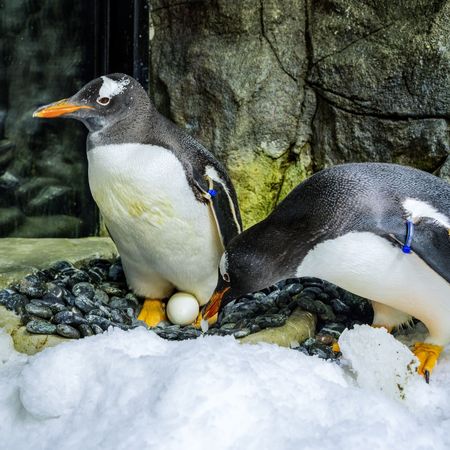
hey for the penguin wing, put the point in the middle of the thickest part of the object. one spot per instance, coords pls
(223, 208)
(431, 242)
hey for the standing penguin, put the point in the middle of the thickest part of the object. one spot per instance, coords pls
(380, 231)
(167, 202)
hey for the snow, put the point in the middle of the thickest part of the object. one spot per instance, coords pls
(129, 390)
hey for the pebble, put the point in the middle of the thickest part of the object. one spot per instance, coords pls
(83, 288)
(38, 310)
(80, 302)
(67, 331)
(86, 330)
(68, 318)
(32, 286)
(40, 327)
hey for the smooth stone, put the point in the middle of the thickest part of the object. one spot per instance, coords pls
(85, 330)
(97, 329)
(39, 311)
(101, 297)
(40, 327)
(68, 318)
(84, 303)
(83, 288)
(67, 331)
(31, 286)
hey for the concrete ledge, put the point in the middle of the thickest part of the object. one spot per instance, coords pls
(20, 256)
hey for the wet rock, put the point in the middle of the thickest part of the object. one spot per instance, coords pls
(84, 303)
(40, 327)
(68, 318)
(51, 200)
(32, 286)
(100, 297)
(86, 330)
(38, 310)
(67, 331)
(83, 288)
(112, 290)
(115, 272)
(97, 329)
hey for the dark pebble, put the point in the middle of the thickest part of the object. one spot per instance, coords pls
(83, 288)
(67, 331)
(40, 327)
(32, 286)
(339, 306)
(84, 303)
(68, 318)
(115, 272)
(85, 330)
(119, 303)
(97, 329)
(98, 320)
(101, 297)
(38, 310)
(60, 265)
(293, 289)
(112, 290)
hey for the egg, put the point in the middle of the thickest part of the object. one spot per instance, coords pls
(182, 308)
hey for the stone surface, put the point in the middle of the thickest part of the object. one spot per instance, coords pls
(300, 326)
(278, 89)
(24, 341)
(18, 257)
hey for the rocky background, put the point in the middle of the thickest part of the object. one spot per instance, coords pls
(278, 89)
(43, 182)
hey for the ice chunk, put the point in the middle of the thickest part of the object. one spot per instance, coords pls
(379, 361)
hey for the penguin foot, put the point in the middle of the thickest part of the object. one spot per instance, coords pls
(427, 354)
(153, 311)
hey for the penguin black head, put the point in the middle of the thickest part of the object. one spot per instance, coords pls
(243, 268)
(100, 103)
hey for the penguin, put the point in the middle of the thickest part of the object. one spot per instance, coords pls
(378, 230)
(167, 202)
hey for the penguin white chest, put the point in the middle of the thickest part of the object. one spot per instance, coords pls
(160, 228)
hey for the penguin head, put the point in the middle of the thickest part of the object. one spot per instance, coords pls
(100, 103)
(242, 270)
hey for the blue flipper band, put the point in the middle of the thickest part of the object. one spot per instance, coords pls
(212, 192)
(409, 236)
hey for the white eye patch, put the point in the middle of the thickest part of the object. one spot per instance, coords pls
(111, 88)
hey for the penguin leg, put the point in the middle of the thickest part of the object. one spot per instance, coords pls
(388, 317)
(153, 311)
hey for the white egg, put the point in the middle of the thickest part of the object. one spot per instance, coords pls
(182, 308)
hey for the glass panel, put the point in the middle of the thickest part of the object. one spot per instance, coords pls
(47, 52)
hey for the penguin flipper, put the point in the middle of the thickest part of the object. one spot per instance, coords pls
(222, 207)
(431, 242)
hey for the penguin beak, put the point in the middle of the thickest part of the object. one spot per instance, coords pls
(214, 303)
(57, 109)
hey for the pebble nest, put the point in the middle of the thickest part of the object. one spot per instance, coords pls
(76, 302)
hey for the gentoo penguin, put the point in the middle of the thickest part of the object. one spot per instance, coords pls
(168, 204)
(380, 231)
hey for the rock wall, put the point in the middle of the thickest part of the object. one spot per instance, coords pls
(278, 89)
(43, 182)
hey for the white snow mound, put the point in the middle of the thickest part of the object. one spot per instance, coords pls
(379, 360)
(131, 390)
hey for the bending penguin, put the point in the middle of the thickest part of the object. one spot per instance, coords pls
(378, 230)
(167, 202)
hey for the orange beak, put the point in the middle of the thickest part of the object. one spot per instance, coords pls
(58, 109)
(213, 305)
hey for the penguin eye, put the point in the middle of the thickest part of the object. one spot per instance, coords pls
(226, 277)
(103, 100)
